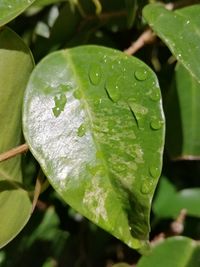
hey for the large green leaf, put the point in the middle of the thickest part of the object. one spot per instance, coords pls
(9, 9)
(170, 204)
(15, 66)
(94, 121)
(180, 31)
(173, 252)
(182, 114)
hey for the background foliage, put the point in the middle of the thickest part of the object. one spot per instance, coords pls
(56, 235)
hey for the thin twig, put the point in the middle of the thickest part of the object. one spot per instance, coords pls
(177, 226)
(147, 37)
(14, 152)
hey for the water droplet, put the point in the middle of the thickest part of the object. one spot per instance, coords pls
(187, 22)
(112, 88)
(77, 94)
(154, 171)
(141, 74)
(155, 95)
(156, 124)
(146, 187)
(81, 130)
(95, 74)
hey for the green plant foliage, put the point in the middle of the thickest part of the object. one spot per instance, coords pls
(9, 9)
(94, 121)
(169, 205)
(173, 252)
(16, 65)
(121, 265)
(182, 113)
(180, 31)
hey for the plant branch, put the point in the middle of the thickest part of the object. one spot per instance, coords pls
(147, 37)
(14, 152)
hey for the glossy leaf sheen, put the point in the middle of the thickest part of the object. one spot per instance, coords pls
(15, 67)
(93, 122)
(174, 252)
(182, 114)
(180, 31)
(170, 205)
(9, 9)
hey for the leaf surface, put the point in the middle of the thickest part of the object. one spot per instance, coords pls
(15, 66)
(174, 252)
(9, 9)
(180, 30)
(182, 115)
(93, 119)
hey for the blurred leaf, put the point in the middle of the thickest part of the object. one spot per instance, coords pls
(9, 9)
(15, 67)
(182, 113)
(93, 119)
(168, 203)
(47, 2)
(131, 6)
(121, 265)
(180, 31)
(173, 252)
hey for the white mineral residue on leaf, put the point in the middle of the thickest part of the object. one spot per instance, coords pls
(94, 198)
(56, 138)
(138, 153)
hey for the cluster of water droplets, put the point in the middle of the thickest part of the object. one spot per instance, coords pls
(112, 86)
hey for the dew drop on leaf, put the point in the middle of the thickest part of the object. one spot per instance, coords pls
(95, 74)
(146, 187)
(154, 171)
(112, 88)
(141, 74)
(156, 124)
(155, 95)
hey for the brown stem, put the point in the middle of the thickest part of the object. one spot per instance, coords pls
(147, 37)
(14, 152)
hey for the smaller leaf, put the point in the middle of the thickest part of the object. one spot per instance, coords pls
(168, 202)
(179, 30)
(182, 115)
(173, 252)
(9, 9)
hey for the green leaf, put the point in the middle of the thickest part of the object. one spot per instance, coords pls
(121, 264)
(174, 252)
(182, 114)
(9, 9)
(168, 202)
(15, 67)
(93, 119)
(180, 31)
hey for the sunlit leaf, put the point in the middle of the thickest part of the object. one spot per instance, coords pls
(180, 31)
(16, 65)
(93, 119)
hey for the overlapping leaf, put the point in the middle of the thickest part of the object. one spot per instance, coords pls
(9, 9)
(15, 66)
(182, 114)
(174, 252)
(93, 119)
(170, 205)
(180, 31)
